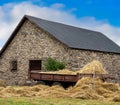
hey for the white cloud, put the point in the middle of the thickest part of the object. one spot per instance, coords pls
(10, 15)
(57, 6)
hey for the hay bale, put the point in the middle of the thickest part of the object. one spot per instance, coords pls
(94, 67)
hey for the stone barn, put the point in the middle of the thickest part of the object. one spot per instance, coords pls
(34, 40)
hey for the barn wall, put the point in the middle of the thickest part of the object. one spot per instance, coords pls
(30, 43)
(110, 61)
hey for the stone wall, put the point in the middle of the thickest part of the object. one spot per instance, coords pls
(33, 43)
(110, 61)
(30, 43)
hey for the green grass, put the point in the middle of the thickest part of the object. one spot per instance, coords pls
(51, 101)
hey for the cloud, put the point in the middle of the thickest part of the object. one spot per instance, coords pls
(57, 6)
(10, 15)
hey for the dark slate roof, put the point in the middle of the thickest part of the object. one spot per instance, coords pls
(71, 36)
(78, 38)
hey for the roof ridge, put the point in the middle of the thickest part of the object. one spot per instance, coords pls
(62, 23)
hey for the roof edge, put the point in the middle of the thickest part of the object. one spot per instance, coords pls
(95, 50)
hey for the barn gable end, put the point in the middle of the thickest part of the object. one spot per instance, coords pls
(29, 43)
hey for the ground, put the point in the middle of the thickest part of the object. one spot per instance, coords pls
(51, 101)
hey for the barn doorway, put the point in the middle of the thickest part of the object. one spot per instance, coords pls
(35, 65)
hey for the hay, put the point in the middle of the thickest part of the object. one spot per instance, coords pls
(111, 86)
(24, 93)
(8, 92)
(38, 88)
(85, 88)
(94, 67)
(88, 81)
(2, 83)
(9, 89)
(102, 91)
(116, 98)
(87, 95)
(94, 88)
(57, 91)
(64, 71)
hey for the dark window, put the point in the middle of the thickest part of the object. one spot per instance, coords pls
(35, 64)
(13, 65)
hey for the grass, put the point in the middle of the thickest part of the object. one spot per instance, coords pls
(51, 101)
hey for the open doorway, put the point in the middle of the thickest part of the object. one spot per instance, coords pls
(35, 65)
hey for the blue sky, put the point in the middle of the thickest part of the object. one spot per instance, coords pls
(98, 15)
(108, 10)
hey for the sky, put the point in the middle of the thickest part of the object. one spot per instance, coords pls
(98, 15)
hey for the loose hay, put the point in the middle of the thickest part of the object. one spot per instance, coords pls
(116, 98)
(85, 88)
(94, 67)
(94, 88)
(2, 83)
(64, 71)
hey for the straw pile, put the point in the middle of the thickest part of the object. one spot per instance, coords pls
(64, 71)
(94, 88)
(2, 83)
(85, 88)
(94, 67)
